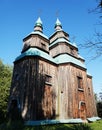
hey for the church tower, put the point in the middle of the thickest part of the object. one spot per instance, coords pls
(50, 80)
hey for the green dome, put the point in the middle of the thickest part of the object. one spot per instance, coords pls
(58, 23)
(38, 22)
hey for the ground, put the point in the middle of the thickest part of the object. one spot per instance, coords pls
(18, 126)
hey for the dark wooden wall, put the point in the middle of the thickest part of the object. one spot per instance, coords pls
(37, 97)
(75, 102)
(48, 91)
(24, 86)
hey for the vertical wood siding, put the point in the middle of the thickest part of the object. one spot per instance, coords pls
(58, 97)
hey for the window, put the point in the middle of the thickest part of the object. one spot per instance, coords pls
(72, 51)
(15, 104)
(17, 76)
(89, 91)
(80, 83)
(82, 105)
(48, 79)
(43, 46)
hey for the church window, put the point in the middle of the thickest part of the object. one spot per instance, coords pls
(43, 46)
(48, 79)
(81, 105)
(89, 92)
(80, 83)
(17, 77)
(72, 51)
(15, 103)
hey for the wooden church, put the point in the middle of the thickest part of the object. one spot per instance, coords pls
(50, 80)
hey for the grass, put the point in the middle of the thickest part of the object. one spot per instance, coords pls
(19, 126)
(96, 125)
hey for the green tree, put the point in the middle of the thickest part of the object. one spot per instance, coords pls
(5, 81)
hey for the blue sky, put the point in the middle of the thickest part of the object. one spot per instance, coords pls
(17, 19)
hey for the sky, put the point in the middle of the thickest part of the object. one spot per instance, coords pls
(18, 17)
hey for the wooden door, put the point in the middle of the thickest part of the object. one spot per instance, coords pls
(82, 110)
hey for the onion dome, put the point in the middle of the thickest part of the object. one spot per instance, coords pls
(38, 25)
(58, 25)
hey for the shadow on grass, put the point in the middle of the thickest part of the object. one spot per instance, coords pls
(14, 125)
(82, 127)
(19, 126)
(51, 127)
(61, 127)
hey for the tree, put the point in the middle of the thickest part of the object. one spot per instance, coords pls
(94, 44)
(98, 8)
(5, 81)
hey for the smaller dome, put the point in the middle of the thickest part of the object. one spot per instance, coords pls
(38, 25)
(38, 22)
(58, 25)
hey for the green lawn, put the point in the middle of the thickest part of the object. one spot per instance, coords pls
(96, 125)
(18, 126)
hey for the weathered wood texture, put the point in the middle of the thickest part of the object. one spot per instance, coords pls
(91, 108)
(24, 86)
(56, 50)
(47, 91)
(37, 97)
(75, 102)
(59, 34)
(36, 41)
(62, 47)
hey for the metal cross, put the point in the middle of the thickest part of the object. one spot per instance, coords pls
(39, 12)
(57, 13)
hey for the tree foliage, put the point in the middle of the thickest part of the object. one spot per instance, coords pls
(5, 81)
(98, 99)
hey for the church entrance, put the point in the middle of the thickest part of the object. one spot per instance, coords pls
(82, 110)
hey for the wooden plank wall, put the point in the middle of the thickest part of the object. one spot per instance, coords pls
(91, 109)
(58, 99)
(51, 70)
(72, 96)
(58, 49)
(65, 92)
(36, 41)
(24, 86)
